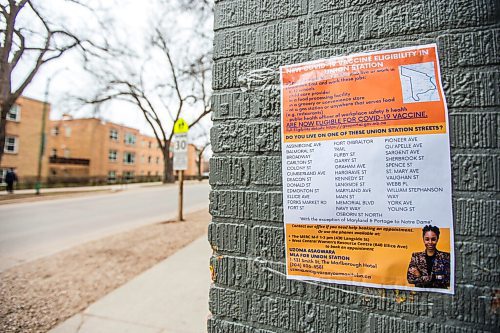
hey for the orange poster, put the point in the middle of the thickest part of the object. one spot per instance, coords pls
(366, 171)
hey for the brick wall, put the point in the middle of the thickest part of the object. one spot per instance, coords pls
(252, 39)
(28, 133)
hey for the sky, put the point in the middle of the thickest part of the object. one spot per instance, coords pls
(67, 77)
(65, 73)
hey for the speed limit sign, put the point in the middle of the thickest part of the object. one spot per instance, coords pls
(180, 151)
(180, 143)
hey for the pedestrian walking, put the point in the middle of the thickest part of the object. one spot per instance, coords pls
(10, 178)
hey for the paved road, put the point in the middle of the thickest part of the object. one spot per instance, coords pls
(36, 229)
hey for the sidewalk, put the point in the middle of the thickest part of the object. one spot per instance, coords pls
(171, 297)
(28, 195)
(115, 187)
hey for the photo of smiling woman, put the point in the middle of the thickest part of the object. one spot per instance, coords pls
(431, 267)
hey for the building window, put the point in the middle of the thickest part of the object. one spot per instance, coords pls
(129, 158)
(66, 153)
(53, 152)
(113, 134)
(3, 172)
(67, 131)
(54, 131)
(113, 155)
(128, 175)
(14, 113)
(130, 139)
(149, 159)
(111, 176)
(157, 160)
(149, 144)
(11, 144)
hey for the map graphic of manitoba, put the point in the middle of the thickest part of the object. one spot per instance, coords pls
(418, 82)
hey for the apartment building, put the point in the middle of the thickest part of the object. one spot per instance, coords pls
(101, 150)
(104, 151)
(23, 139)
(79, 149)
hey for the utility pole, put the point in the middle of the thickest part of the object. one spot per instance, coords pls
(38, 183)
(42, 137)
(181, 194)
(180, 157)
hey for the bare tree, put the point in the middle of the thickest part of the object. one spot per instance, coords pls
(201, 142)
(30, 40)
(167, 85)
(200, 150)
(202, 6)
(166, 76)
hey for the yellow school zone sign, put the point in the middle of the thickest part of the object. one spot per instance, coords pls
(180, 126)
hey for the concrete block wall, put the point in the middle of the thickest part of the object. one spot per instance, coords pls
(253, 38)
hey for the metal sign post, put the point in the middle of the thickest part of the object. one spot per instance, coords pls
(180, 157)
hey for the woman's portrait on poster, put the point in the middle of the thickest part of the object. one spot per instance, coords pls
(431, 267)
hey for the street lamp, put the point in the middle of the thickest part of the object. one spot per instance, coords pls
(38, 183)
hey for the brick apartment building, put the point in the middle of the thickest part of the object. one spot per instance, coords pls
(92, 148)
(100, 150)
(23, 139)
(80, 150)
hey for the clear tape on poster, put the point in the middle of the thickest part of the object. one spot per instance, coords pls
(266, 78)
(397, 296)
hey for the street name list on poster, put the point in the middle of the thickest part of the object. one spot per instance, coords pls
(366, 171)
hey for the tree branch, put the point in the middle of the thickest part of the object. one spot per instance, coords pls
(200, 117)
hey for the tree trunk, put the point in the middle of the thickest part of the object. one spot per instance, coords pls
(3, 124)
(168, 172)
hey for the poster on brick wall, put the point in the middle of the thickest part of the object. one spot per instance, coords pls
(366, 171)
